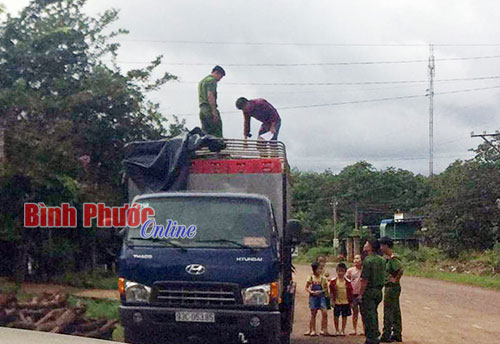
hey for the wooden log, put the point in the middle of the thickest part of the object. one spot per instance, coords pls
(91, 326)
(22, 325)
(51, 302)
(64, 320)
(46, 327)
(6, 317)
(3, 300)
(35, 314)
(50, 315)
(104, 330)
(57, 326)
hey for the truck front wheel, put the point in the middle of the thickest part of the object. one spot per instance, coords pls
(273, 338)
(135, 336)
(285, 338)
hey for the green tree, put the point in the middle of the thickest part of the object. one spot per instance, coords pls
(68, 115)
(489, 152)
(463, 214)
(377, 194)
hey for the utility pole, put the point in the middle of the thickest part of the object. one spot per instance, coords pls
(2, 143)
(430, 93)
(484, 136)
(334, 204)
(356, 216)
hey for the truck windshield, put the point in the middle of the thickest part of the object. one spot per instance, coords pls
(227, 222)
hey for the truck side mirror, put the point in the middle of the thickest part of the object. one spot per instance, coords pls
(122, 233)
(292, 231)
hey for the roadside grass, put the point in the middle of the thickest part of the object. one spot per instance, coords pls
(102, 309)
(7, 287)
(309, 255)
(81, 280)
(98, 308)
(88, 280)
(490, 282)
(118, 335)
(481, 269)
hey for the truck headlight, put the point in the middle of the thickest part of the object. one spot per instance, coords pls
(136, 292)
(261, 294)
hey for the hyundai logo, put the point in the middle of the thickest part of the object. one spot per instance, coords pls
(195, 269)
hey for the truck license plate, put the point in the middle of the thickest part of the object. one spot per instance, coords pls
(207, 317)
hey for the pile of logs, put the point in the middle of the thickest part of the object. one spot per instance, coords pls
(52, 313)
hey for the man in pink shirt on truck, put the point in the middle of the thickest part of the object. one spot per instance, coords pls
(354, 275)
(261, 110)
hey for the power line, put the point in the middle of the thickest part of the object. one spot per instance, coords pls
(320, 83)
(380, 159)
(318, 64)
(350, 83)
(351, 102)
(386, 99)
(309, 43)
(302, 91)
(468, 90)
(362, 101)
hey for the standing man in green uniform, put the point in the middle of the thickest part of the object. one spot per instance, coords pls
(372, 281)
(392, 311)
(211, 122)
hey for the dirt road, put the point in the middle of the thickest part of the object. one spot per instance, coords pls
(433, 312)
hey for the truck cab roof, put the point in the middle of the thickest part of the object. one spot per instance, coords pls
(185, 194)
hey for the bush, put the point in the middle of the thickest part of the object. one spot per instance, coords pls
(490, 259)
(87, 279)
(423, 255)
(101, 308)
(309, 255)
(496, 247)
(315, 252)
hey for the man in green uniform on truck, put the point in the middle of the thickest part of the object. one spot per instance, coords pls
(211, 122)
(372, 282)
(392, 311)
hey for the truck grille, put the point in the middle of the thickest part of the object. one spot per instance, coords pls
(195, 294)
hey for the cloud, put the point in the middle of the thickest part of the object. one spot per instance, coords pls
(391, 133)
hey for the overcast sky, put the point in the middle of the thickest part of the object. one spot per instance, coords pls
(387, 133)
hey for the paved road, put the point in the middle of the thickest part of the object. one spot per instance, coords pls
(433, 312)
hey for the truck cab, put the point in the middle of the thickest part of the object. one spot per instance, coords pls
(215, 262)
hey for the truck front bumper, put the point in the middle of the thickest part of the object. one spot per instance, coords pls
(159, 320)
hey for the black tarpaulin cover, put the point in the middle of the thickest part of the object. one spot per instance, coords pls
(163, 165)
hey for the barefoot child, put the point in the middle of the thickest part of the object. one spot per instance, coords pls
(316, 286)
(341, 295)
(321, 260)
(354, 275)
